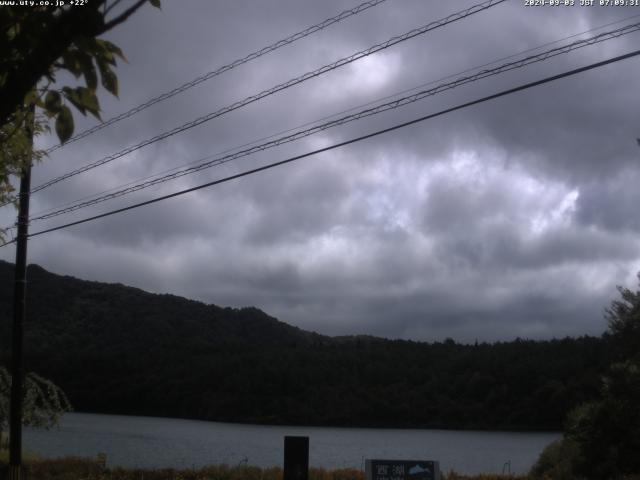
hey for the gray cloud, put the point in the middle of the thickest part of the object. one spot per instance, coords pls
(612, 204)
(511, 218)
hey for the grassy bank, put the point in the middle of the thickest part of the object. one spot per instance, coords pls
(90, 469)
(73, 468)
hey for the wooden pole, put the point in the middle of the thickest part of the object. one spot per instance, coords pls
(19, 310)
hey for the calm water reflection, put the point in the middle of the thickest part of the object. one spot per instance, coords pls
(161, 442)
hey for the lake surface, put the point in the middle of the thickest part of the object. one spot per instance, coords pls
(149, 442)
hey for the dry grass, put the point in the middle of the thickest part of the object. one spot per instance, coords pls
(73, 468)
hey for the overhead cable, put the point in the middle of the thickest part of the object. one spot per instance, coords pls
(336, 114)
(225, 68)
(345, 143)
(406, 100)
(282, 86)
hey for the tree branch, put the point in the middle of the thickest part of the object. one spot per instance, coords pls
(110, 7)
(123, 16)
(57, 36)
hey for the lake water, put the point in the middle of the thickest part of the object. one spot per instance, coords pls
(150, 442)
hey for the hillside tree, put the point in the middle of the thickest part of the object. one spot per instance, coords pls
(607, 431)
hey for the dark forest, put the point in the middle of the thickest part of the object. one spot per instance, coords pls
(117, 349)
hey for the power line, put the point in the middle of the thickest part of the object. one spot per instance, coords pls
(290, 83)
(347, 142)
(253, 142)
(373, 102)
(348, 118)
(225, 68)
(388, 106)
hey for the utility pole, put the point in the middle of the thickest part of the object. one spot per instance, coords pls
(19, 310)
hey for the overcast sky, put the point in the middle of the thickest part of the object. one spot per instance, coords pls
(516, 217)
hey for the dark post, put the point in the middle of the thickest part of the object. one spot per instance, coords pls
(296, 458)
(19, 301)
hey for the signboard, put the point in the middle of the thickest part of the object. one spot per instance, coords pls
(296, 458)
(402, 470)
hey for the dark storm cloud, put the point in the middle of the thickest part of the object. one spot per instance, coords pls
(510, 218)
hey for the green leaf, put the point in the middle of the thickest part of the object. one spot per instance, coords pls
(114, 49)
(103, 54)
(64, 124)
(155, 3)
(90, 45)
(74, 96)
(110, 82)
(108, 77)
(52, 103)
(71, 62)
(88, 70)
(90, 101)
(84, 99)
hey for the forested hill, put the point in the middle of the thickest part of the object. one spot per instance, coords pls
(117, 349)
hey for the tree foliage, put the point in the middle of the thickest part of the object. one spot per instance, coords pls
(556, 461)
(44, 401)
(38, 43)
(624, 324)
(606, 431)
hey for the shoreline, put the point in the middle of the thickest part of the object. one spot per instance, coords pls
(328, 425)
